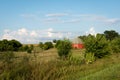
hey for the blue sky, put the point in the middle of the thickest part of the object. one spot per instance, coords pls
(31, 21)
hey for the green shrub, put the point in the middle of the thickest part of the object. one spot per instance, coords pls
(97, 45)
(115, 45)
(9, 45)
(47, 45)
(89, 58)
(41, 45)
(64, 48)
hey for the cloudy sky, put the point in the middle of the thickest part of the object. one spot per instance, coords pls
(32, 21)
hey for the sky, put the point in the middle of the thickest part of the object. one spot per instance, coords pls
(33, 21)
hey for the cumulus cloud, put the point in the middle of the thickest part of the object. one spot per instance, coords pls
(91, 31)
(34, 36)
(22, 31)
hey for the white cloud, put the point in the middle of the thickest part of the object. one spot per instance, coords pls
(56, 15)
(34, 36)
(91, 31)
(22, 31)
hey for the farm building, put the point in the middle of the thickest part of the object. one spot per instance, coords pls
(77, 43)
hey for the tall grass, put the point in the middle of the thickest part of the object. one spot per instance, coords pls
(71, 69)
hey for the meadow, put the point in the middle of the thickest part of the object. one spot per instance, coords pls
(46, 65)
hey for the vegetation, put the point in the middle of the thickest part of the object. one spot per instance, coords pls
(97, 45)
(46, 45)
(64, 47)
(110, 35)
(27, 69)
(115, 45)
(98, 61)
(12, 45)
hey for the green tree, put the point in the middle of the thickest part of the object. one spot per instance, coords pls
(12, 45)
(48, 45)
(98, 45)
(64, 47)
(30, 49)
(54, 41)
(115, 45)
(25, 48)
(15, 45)
(41, 45)
(57, 43)
(110, 35)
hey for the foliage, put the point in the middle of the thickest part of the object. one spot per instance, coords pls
(29, 50)
(48, 45)
(64, 47)
(97, 45)
(25, 48)
(110, 35)
(25, 68)
(41, 45)
(54, 41)
(89, 58)
(57, 43)
(115, 45)
(11, 45)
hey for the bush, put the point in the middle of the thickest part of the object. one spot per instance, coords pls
(115, 45)
(41, 45)
(12, 45)
(97, 45)
(89, 58)
(64, 48)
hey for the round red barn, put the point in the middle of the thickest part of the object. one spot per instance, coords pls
(77, 43)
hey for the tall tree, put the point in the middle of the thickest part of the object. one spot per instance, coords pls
(110, 35)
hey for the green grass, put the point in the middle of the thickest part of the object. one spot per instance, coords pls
(46, 65)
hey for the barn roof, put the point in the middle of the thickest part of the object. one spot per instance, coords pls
(77, 41)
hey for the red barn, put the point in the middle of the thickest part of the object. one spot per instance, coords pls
(77, 43)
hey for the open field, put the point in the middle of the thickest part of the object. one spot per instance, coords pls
(46, 65)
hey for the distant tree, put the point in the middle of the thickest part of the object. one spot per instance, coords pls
(57, 43)
(25, 48)
(4, 45)
(41, 45)
(54, 41)
(15, 44)
(110, 35)
(31, 47)
(82, 37)
(12, 45)
(48, 45)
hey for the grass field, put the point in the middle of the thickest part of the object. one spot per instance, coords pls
(46, 65)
